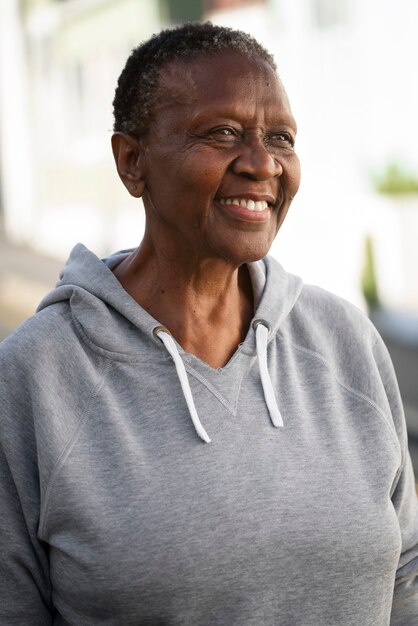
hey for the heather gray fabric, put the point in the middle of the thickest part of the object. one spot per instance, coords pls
(113, 511)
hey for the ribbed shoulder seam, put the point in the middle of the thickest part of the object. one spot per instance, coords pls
(359, 394)
(68, 447)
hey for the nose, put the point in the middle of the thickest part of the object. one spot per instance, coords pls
(256, 162)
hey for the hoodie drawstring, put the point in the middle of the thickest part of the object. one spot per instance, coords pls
(169, 343)
(261, 336)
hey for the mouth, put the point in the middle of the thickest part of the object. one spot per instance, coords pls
(252, 210)
(256, 206)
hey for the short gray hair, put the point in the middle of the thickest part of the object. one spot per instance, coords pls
(136, 91)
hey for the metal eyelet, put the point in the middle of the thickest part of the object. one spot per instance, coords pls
(163, 329)
(261, 321)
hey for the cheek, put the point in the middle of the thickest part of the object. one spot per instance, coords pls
(293, 177)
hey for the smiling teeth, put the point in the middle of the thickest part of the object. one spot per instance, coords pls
(260, 205)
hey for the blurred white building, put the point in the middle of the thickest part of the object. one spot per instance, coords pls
(60, 61)
(349, 69)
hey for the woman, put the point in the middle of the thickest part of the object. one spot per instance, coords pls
(190, 435)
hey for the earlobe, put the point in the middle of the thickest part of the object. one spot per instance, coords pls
(128, 155)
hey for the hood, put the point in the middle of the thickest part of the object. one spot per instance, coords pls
(110, 319)
(107, 313)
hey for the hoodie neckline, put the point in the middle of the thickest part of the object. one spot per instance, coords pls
(111, 318)
(114, 322)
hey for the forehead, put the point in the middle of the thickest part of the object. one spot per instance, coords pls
(218, 78)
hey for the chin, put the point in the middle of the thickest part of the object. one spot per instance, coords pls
(246, 254)
(243, 245)
(248, 249)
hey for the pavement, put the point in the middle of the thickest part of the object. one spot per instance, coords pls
(26, 276)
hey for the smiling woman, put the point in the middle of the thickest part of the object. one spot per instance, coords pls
(215, 194)
(302, 509)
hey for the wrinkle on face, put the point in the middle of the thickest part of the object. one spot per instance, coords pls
(178, 82)
(188, 168)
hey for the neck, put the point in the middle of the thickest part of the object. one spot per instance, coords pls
(207, 305)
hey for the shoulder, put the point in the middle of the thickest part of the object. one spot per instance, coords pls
(37, 334)
(340, 336)
(46, 349)
(322, 302)
(324, 320)
(48, 376)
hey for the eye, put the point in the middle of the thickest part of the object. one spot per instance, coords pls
(223, 132)
(282, 138)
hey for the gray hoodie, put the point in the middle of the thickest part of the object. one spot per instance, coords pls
(301, 511)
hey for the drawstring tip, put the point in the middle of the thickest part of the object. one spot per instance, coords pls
(277, 420)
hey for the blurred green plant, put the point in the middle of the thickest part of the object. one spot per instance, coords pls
(369, 285)
(396, 179)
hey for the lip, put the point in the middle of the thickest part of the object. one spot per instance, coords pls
(243, 214)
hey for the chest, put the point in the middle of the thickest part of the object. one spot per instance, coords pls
(145, 519)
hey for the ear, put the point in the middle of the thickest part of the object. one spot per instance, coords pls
(128, 154)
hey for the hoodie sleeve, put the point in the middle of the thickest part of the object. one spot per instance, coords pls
(405, 598)
(404, 499)
(24, 577)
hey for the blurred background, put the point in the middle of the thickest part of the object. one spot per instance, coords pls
(349, 67)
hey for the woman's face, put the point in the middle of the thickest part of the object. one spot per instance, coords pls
(220, 169)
